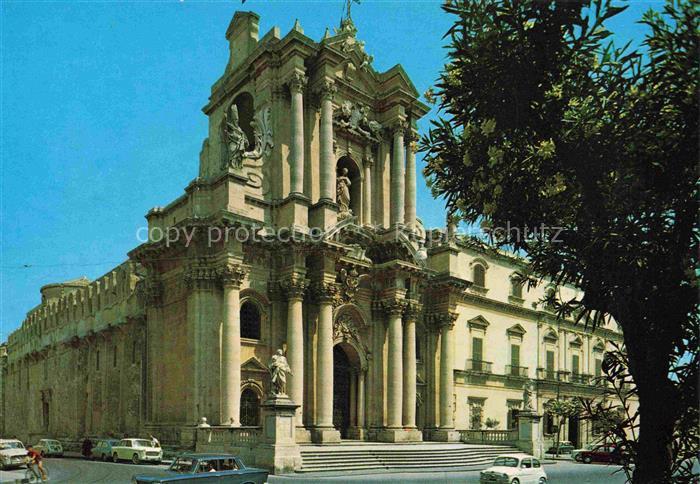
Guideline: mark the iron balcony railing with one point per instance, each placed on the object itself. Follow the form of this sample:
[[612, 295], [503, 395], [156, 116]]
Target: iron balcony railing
[[479, 366], [580, 378], [520, 371]]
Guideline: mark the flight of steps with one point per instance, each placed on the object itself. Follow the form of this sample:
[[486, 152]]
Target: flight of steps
[[371, 455]]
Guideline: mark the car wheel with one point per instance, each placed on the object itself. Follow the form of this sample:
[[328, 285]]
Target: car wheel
[[135, 459], [115, 457], [104, 457], [587, 459], [543, 480], [515, 481], [577, 458]]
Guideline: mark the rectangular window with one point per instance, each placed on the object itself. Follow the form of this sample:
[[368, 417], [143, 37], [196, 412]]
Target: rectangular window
[[550, 364], [515, 356], [574, 364], [598, 367], [477, 349]]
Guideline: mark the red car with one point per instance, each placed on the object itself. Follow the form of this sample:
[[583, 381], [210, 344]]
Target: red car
[[602, 453]]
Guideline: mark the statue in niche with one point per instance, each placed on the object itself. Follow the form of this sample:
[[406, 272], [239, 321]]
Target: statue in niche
[[236, 140], [343, 194], [279, 367]]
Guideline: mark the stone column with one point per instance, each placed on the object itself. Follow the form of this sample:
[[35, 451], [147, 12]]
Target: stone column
[[397, 176], [410, 202], [296, 88], [409, 367], [353, 399], [327, 165], [361, 398], [446, 431], [231, 276], [294, 288], [324, 431], [395, 366], [367, 188]]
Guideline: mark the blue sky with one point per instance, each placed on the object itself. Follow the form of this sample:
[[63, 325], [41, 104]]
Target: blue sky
[[101, 116]]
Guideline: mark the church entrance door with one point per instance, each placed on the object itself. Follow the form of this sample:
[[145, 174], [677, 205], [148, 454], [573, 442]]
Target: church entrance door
[[341, 391]]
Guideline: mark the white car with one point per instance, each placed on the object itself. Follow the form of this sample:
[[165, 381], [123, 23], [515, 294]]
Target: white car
[[514, 469], [49, 447], [12, 453], [137, 451]]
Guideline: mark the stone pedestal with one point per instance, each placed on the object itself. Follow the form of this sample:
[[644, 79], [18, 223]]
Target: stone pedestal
[[294, 212], [323, 214], [444, 435], [325, 435], [279, 451], [400, 435], [530, 433]]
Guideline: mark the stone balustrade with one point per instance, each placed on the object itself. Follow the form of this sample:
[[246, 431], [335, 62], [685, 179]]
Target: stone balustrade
[[488, 436], [225, 436]]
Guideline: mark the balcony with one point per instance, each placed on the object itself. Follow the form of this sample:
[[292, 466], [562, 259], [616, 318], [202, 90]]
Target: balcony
[[517, 371], [478, 366], [580, 378], [551, 375]]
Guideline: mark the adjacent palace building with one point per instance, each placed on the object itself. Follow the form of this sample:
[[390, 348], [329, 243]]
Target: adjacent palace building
[[304, 237]]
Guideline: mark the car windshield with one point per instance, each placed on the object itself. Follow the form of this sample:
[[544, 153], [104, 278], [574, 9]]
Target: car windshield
[[11, 445], [506, 462], [182, 465], [143, 443]]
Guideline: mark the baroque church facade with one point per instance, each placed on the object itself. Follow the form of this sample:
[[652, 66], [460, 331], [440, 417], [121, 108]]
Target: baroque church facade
[[305, 238]]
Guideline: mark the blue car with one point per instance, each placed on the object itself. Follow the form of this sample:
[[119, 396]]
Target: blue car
[[200, 468], [102, 449]]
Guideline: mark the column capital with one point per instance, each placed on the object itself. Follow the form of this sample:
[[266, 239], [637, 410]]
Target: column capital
[[412, 310], [399, 127], [297, 82], [326, 89], [294, 287], [232, 274], [443, 319], [393, 306], [325, 291]]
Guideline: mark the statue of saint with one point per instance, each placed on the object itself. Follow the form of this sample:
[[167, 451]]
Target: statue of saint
[[528, 393], [343, 192], [278, 371], [236, 139]]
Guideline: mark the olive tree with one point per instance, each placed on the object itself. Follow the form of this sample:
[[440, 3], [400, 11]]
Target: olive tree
[[586, 156]]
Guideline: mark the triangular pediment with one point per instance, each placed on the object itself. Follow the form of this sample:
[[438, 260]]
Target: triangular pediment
[[253, 364], [478, 322], [516, 330]]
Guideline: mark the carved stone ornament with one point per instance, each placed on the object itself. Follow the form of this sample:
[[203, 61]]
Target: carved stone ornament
[[354, 119], [528, 396], [412, 310], [327, 90], [443, 319], [200, 276], [236, 140], [149, 290], [350, 280], [279, 368], [393, 307]]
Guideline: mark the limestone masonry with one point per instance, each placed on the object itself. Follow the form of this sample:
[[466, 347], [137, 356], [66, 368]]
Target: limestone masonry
[[392, 333]]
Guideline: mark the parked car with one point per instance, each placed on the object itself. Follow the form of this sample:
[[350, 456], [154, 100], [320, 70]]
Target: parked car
[[102, 449], [514, 469], [49, 448], [12, 454], [602, 453], [576, 453], [565, 447], [224, 468], [137, 451]]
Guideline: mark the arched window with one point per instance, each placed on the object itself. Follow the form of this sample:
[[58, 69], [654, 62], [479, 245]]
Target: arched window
[[250, 320], [479, 275], [250, 408]]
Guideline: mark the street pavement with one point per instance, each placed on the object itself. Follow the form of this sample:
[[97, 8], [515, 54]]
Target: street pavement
[[79, 471]]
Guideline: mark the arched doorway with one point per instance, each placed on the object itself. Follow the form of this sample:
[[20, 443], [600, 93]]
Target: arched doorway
[[345, 370]]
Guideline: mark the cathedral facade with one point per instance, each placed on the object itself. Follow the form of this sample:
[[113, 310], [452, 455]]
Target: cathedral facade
[[299, 233]]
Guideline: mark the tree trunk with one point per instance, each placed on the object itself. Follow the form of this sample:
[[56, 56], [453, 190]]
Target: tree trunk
[[648, 355]]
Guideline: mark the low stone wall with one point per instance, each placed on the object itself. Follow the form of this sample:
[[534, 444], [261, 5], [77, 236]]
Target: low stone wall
[[241, 441]]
